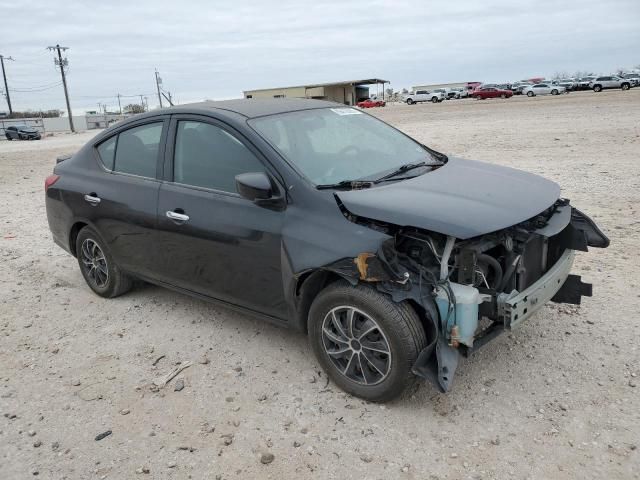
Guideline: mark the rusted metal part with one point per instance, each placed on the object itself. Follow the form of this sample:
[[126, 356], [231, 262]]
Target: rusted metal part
[[362, 262], [455, 337]]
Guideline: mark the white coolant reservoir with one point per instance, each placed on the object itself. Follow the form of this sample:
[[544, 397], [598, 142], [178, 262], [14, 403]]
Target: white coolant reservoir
[[462, 320]]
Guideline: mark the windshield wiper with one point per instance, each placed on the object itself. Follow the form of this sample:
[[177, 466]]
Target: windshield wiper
[[353, 184], [405, 168]]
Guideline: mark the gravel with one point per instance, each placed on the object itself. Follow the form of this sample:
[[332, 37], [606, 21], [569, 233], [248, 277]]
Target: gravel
[[490, 419]]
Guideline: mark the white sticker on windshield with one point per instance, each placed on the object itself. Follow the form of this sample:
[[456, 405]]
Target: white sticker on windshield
[[346, 111]]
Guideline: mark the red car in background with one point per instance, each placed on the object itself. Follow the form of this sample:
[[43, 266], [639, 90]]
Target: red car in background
[[371, 103], [491, 92]]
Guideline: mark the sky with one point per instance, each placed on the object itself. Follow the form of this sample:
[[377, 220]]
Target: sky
[[216, 49]]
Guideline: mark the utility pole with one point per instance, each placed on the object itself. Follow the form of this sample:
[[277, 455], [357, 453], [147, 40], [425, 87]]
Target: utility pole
[[6, 87], [142, 104], [158, 83], [63, 63], [119, 105]]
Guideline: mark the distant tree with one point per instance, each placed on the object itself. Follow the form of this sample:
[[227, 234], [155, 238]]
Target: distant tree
[[405, 91], [134, 108], [559, 75], [620, 70], [389, 92]]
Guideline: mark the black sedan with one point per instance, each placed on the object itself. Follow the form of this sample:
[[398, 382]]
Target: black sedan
[[322, 218], [21, 132]]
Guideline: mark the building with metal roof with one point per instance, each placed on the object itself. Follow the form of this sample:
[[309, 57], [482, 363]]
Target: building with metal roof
[[348, 92]]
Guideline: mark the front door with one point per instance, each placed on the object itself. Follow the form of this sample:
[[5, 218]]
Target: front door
[[213, 241]]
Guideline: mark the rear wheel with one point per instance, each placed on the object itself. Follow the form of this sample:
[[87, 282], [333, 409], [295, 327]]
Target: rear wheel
[[97, 266], [554, 92], [434, 99], [366, 342], [625, 86]]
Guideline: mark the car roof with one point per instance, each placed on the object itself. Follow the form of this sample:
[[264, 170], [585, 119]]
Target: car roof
[[253, 107]]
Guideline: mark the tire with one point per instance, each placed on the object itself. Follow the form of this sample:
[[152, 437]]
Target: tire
[[625, 86], [434, 99], [503, 96], [97, 266], [394, 327], [9, 137], [410, 101], [554, 92], [530, 94], [597, 88]]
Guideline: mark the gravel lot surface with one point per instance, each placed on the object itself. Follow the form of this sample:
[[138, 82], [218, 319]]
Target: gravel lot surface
[[556, 399]]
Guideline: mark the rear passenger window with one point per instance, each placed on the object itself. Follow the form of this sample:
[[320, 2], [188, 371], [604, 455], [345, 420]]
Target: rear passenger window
[[107, 152], [137, 151], [207, 156]]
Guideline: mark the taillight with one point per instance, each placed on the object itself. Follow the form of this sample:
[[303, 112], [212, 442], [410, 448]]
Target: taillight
[[50, 180]]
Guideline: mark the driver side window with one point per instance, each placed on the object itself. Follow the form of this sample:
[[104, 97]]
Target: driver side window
[[210, 157]]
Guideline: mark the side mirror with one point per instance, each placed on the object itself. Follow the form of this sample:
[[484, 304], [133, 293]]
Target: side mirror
[[254, 186], [258, 188]]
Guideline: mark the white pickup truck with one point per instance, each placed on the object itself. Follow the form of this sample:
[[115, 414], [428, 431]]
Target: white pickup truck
[[424, 96]]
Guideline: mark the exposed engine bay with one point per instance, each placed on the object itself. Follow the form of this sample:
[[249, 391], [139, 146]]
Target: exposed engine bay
[[471, 290]]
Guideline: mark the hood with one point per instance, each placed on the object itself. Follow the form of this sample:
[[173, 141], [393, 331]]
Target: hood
[[463, 198], [28, 130]]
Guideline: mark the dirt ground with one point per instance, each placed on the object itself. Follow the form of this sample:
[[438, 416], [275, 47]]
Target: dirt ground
[[555, 399]]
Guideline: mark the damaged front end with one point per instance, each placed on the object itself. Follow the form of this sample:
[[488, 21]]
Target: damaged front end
[[471, 290]]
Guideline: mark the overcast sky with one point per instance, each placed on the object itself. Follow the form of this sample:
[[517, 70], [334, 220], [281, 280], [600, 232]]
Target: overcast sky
[[217, 49]]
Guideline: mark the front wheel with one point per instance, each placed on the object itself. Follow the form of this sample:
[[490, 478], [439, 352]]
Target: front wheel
[[503, 96], [597, 88], [529, 94], [366, 342], [410, 101], [97, 266]]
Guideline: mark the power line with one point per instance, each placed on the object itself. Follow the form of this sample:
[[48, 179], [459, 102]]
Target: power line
[[6, 87], [36, 89], [62, 63]]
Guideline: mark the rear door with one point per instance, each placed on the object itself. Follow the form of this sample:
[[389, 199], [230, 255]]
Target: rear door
[[213, 241], [120, 200]]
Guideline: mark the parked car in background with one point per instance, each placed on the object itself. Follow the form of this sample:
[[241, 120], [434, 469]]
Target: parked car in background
[[634, 78], [543, 89], [483, 93], [21, 132], [568, 83], [612, 81], [424, 96], [394, 259], [584, 83], [370, 103], [517, 87], [461, 92]]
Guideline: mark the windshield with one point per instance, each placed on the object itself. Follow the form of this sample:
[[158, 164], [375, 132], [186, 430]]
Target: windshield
[[330, 145]]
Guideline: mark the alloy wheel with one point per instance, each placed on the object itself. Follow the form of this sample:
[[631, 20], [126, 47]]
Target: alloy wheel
[[95, 263], [356, 345]]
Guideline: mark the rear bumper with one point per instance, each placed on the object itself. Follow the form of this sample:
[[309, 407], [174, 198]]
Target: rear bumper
[[515, 308]]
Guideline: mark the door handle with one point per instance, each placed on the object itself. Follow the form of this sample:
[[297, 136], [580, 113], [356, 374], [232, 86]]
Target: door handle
[[92, 198], [178, 217]]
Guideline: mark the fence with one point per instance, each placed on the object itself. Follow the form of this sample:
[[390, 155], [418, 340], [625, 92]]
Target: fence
[[61, 124]]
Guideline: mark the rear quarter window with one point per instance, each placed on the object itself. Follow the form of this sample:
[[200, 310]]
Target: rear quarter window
[[107, 152]]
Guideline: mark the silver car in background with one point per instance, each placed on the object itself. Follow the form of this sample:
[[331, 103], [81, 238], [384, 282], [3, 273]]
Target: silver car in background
[[543, 89], [612, 81]]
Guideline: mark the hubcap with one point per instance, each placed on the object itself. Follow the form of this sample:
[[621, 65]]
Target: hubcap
[[95, 263], [356, 345]]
